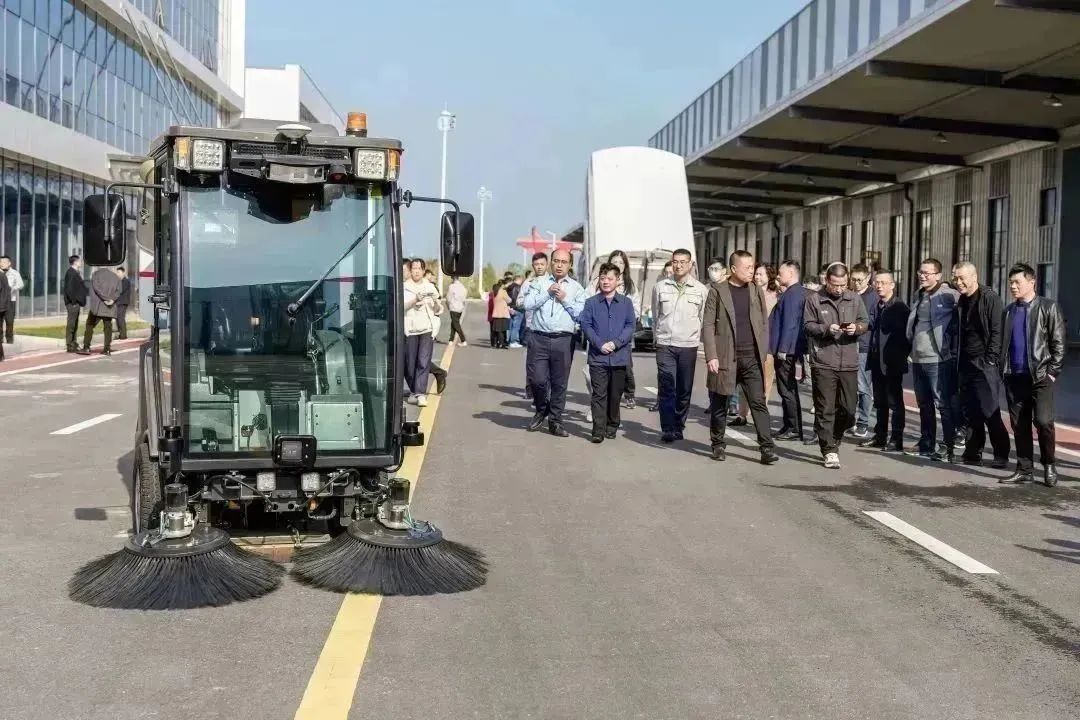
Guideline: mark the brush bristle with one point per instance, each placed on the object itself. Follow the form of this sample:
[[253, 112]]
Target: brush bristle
[[127, 580], [348, 564]]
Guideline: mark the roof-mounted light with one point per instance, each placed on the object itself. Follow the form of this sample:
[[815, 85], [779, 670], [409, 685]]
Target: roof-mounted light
[[294, 131], [356, 124], [198, 154], [370, 164]]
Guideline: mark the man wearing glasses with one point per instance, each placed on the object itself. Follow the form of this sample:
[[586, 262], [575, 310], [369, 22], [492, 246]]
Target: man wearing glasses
[[678, 304], [932, 332], [555, 302]]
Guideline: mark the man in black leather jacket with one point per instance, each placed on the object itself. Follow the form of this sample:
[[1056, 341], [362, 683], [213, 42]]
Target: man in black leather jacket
[[1033, 352]]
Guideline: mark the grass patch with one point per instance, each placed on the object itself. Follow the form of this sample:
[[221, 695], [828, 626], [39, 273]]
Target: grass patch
[[57, 332]]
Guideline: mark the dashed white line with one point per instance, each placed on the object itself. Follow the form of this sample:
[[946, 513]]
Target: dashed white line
[[917, 536], [85, 424]]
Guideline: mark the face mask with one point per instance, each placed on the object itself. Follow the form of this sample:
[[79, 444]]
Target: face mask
[[716, 274]]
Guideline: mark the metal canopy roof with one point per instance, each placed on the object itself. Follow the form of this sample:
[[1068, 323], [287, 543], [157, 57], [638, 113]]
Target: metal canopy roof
[[984, 75]]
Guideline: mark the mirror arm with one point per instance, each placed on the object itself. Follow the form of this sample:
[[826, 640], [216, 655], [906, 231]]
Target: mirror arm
[[408, 199], [109, 208]]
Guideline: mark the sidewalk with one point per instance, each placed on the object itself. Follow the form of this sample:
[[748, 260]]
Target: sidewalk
[[29, 352]]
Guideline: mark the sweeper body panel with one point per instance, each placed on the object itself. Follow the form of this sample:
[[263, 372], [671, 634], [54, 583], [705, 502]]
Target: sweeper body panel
[[271, 388]]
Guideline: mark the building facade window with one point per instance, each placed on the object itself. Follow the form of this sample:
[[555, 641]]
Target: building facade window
[[962, 233], [1048, 207], [867, 240], [924, 229], [1045, 280], [805, 260], [997, 257], [42, 226], [846, 243], [73, 68], [896, 247], [822, 250], [786, 251]]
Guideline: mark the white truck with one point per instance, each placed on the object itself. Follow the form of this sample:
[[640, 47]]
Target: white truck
[[636, 201]]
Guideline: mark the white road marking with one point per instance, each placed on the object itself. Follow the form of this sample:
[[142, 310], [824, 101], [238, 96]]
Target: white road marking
[[735, 434], [85, 424], [653, 390], [64, 362], [931, 543]]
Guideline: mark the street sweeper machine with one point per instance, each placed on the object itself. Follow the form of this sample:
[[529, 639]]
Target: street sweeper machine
[[270, 389]]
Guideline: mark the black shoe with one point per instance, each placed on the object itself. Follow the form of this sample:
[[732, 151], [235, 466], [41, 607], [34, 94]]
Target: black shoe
[[668, 437], [679, 435], [655, 407], [73, 349], [768, 457], [557, 430], [999, 463], [1050, 475], [596, 439], [537, 422], [970, 460], [895, 448], [738, 422], [106, 351], [528, 393], [440, 384], [946, 456], [812, 440], [787, 435], [1017, 478], [611, 434], [873, 443], [718, 454]]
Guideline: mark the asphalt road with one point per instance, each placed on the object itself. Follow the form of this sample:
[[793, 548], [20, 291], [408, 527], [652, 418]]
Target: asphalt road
[[628, 579]]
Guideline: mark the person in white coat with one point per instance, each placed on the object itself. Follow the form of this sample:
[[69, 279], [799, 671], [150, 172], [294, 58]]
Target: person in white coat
[[15, 285], [422, 305]]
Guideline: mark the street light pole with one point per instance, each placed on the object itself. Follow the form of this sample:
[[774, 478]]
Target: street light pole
[[483, 195], [447, 122]]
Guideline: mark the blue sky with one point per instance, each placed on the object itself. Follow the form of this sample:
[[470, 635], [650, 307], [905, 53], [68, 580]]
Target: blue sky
[[536, 86]]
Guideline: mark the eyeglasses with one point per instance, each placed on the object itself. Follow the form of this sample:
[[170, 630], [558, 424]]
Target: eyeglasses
[[928, 273], [680, 262]]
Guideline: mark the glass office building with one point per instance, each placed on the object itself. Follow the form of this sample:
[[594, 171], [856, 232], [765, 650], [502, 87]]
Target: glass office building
[[112, 84]]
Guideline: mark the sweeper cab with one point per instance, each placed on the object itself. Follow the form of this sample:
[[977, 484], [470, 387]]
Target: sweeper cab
[[271, 387]]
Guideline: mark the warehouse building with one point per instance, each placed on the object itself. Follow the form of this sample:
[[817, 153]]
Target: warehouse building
[[886, 131]]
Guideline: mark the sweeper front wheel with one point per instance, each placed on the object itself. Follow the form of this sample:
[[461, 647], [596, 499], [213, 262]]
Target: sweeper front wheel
[[146, 492]]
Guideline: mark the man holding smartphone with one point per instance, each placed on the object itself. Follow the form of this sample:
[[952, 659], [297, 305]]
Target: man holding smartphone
[[835, 317]]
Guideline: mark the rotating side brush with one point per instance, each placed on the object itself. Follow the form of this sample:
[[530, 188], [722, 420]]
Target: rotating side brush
[[389, 553], [182, 565]]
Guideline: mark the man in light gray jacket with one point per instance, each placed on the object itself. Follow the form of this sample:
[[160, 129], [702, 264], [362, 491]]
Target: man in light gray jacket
[[105, 288], [932, 331], [15, 285]]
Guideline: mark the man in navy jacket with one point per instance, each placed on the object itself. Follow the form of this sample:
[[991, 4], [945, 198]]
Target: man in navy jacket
[[787, 343], [607, 321]]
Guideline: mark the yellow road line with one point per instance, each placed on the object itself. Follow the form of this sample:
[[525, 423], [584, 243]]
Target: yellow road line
[[330, 690]]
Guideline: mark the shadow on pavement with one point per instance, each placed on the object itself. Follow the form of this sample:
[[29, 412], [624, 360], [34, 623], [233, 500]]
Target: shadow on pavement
[[880, 490], [1063, 550]]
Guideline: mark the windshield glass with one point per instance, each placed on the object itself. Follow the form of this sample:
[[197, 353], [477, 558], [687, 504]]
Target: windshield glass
[[253, 372]]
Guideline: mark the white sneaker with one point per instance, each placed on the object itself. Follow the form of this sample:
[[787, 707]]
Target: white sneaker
[[588, 416], [832, 461], [463, 344], [411, 399], [421, 401], [515, 345]]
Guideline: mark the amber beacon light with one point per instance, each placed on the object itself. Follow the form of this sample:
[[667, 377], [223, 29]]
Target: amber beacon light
[[356, 124]]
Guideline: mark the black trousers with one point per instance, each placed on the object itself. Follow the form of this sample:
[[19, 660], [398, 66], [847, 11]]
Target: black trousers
[[71, 334], [888, 402], [549, 358], [1031, 402], [7, 319], [455, 326], [750, 379], [788, 389], [91, 323], [121, 322], [980, 399], [630, 387], [607, 388], [675, 368], [835, 394]]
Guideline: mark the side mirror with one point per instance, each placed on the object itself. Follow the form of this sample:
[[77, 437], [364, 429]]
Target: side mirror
[[100, 214], [456, 254]]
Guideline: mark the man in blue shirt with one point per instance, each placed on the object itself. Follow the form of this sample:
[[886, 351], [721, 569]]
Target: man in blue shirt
[[556, 301], [607, 322]]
